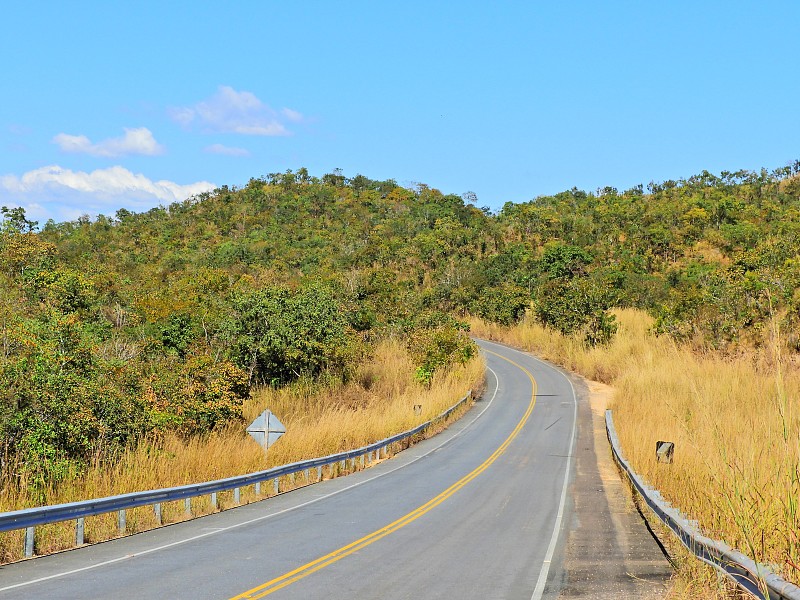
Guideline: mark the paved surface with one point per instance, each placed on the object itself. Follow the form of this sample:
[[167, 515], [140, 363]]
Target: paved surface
[[610, 552], [480, 511]]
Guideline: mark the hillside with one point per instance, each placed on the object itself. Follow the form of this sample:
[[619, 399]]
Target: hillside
[[165, 320], [119, 326]]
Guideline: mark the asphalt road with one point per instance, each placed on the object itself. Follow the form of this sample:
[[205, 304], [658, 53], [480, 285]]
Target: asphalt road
[[478, 511]]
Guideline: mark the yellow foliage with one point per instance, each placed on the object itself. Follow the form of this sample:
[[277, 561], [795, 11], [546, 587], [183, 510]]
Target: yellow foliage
[[21, 251]]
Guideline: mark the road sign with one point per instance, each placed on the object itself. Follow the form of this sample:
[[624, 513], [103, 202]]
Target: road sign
[[266, 429]]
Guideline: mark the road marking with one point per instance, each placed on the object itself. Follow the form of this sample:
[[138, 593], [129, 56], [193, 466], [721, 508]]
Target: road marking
[[542, 581], [299, 573], [219, 530]]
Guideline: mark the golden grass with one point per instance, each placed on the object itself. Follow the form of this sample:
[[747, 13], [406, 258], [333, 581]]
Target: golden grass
[[319, 420], [735, 422]]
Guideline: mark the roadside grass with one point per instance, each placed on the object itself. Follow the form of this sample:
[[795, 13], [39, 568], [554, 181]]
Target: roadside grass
[[735, 421], [320, 419]]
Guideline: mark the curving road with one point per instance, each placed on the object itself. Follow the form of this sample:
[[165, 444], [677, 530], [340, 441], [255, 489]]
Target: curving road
[[484, 510]]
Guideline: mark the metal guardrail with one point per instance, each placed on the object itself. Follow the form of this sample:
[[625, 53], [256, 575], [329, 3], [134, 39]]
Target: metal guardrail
[[30, 518], [751, 577]]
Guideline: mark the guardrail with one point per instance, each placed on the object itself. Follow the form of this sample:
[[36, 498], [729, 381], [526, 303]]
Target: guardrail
[[30, 518], [751, 577]]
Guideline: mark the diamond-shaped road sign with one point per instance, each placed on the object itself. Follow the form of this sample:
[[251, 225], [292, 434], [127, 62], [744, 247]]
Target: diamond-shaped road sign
[[266, 429]]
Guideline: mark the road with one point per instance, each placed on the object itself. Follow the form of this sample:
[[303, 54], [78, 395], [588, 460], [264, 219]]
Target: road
[[479, 511]]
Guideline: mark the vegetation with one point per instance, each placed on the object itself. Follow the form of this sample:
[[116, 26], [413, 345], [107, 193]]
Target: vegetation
[[321, 419], [118, 332]]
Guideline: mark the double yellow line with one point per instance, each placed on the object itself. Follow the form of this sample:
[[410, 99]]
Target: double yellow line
[[291, 577]]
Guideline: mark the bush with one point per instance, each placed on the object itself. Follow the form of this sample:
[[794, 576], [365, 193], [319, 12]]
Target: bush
[[281, 335], [505, 305], [437, 341], [578, 306]]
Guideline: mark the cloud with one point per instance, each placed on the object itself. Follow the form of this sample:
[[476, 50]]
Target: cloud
[[226, 150], [63, 194], [135, 141], [292, 115], [229, 111]]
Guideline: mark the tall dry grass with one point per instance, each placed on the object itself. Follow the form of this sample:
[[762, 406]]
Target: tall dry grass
[[320, 419], [735, 422]]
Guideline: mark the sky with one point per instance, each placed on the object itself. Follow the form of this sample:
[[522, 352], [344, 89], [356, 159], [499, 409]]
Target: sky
[[133, 105]]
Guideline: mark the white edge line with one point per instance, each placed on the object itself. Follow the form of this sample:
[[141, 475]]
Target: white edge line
[[257, 519], [542, 581], [539, 590]]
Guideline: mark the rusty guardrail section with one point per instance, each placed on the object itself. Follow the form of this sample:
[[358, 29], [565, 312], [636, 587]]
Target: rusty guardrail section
[[29, 518], [751, 577]]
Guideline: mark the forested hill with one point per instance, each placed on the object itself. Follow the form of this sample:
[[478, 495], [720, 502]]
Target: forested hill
[[284, 228], [119, 326], [710, 256], [115, 328]]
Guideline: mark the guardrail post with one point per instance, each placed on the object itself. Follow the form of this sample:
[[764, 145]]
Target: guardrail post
[[307, 474], [363, 460], [276, 486], [79, 531], [214, 504], [29, 542], [157, 510], [258, 488], [342, 466], [319, 473], [236, 495], [187, 505], [121, 522]]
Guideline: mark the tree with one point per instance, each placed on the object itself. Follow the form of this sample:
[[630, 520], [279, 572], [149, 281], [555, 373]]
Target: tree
[[578, 306], [279, 335], [14, 221], [505, 304]]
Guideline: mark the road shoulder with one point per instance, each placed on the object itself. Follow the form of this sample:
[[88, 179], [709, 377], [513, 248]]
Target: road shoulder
[[609, 551]]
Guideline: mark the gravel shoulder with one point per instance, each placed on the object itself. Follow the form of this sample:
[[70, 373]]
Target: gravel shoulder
[[610, 552]]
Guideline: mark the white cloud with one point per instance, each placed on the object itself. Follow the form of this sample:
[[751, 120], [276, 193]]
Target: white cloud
[[63, 194], [229, 111], [226, 150], [135, 141], [292, 115]]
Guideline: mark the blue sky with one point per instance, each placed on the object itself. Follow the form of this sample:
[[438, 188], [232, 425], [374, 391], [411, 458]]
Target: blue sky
[[106, 105]]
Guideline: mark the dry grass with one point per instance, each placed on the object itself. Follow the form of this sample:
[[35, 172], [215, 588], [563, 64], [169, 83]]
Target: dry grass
[[319, 420], [356, 414], [735, 422]]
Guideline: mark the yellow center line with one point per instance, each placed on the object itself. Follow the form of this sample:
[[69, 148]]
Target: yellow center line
[[291, 577]]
